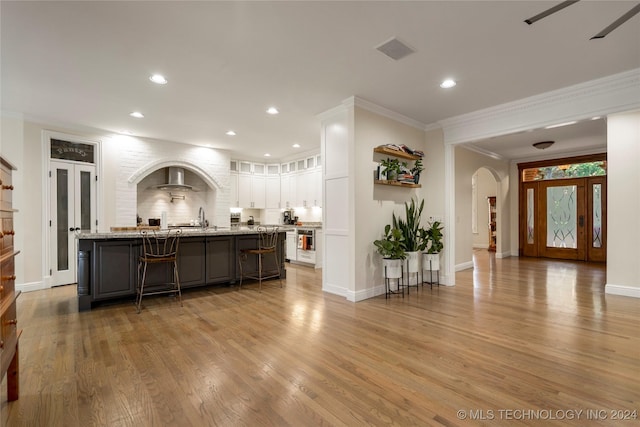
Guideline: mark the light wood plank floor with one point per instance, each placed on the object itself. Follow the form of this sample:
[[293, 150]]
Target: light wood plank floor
[[514, 340]]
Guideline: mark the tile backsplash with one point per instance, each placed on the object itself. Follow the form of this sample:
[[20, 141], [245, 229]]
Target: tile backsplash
[[152, 202]]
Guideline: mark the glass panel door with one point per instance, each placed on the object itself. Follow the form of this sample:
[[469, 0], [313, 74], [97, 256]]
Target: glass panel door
[[597, 219], [73, 209], [562, 217], [529, 219]]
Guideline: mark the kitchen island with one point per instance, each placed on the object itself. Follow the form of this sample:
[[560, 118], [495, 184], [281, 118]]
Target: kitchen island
[[107, 262]]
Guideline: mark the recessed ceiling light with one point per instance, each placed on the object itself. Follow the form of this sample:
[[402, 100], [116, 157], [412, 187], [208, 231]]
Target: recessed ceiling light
[[267, 155], [136, 114], [596, 118], [272, 110], [448, 83], [561, 124], [159, 79], [296, 145], [231, 133]]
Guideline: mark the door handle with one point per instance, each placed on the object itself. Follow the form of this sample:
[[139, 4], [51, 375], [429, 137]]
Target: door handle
[[581, 221], [74, 229]]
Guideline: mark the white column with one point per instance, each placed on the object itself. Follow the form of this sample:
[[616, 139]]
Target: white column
[[623, 204]]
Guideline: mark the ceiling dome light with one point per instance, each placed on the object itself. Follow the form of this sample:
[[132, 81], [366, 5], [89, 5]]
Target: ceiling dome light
[[136, 114], [230, 133], [448, 83], [296, 145], [158, 79], [267, 155], [272, 110], [543, 144]]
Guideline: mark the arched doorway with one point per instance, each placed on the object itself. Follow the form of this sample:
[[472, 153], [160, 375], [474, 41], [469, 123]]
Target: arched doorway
[[484, 213]]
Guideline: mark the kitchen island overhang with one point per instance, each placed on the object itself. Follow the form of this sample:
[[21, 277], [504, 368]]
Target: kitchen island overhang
[[108, 262]]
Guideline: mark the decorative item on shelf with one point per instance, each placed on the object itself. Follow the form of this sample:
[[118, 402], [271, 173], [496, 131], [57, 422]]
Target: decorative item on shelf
[[416, 169], [391, 168], [392, 171]]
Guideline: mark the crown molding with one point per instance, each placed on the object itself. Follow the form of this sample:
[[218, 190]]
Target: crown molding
[[355, 101], [612, 94]]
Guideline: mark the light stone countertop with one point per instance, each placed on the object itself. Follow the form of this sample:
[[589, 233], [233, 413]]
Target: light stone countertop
[[186, 232]]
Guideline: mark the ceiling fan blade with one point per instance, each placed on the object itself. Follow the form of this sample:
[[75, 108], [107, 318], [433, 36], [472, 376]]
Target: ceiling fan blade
[[615, 24], [548, 12]]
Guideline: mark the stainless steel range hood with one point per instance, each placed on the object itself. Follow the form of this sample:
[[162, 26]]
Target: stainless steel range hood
[[175, 181]]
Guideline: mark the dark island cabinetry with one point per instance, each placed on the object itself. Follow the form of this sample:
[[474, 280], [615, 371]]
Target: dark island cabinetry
[[116, 276], [221, 260], [107, 265], [191, 262]]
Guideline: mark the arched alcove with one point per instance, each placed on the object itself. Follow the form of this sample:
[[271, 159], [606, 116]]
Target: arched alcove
[[178, 207]]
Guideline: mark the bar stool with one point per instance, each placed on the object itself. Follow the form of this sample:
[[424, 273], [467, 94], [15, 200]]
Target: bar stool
[[158, 248], [267, 246]]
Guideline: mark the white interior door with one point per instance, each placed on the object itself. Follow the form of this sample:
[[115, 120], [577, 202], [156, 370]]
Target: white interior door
[[72, 209]]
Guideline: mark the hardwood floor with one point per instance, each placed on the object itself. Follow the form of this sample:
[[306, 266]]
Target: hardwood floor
[[515, 342]]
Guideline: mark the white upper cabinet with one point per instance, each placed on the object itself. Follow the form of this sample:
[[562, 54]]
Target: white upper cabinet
[[292, 184]]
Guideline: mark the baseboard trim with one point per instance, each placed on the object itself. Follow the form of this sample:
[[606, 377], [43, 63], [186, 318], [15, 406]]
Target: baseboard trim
[[625, 291], [464, 266], [32, 286], [334, 289]]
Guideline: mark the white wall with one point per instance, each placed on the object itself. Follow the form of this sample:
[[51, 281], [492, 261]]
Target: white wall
[[375, 204], [466, 164], [623, 204]]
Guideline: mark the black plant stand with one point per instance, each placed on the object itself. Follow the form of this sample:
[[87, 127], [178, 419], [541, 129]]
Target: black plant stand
[[387, 283], [431, 282]]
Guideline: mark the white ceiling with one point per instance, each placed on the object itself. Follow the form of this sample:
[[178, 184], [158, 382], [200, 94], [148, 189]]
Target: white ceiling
[[87, 64]]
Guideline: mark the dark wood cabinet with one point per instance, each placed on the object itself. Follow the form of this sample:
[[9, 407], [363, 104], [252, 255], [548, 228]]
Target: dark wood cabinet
[[221, 267], [115, 269], [9, 333], [108, 268], [191, 262]]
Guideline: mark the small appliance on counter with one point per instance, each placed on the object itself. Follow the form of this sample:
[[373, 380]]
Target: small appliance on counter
[[235, 219], [250, 221], [154, 222]]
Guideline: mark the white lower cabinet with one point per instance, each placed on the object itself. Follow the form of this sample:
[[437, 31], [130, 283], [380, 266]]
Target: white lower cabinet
[[306, 256], [292, 245]]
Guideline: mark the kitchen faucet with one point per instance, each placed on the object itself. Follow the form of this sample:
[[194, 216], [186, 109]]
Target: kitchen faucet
[[201, 219]]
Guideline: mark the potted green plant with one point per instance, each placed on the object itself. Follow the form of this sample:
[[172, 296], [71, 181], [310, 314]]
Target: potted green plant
[[391, 248], [416, 169], [391, 168], [413, 240], [433, 235]]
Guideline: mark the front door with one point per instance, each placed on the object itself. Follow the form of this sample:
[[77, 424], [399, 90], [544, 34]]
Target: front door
[[72, 209], [564, 218]]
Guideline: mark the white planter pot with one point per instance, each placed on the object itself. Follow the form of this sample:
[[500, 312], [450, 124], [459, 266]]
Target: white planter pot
[[413, 262], [392, 268], [431, 262]]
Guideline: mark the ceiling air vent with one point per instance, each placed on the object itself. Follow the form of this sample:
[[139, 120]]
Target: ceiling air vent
[[395, 49]]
